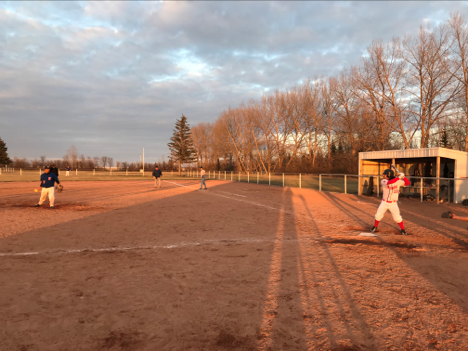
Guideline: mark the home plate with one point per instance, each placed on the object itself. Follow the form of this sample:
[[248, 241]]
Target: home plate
[[366, 234]]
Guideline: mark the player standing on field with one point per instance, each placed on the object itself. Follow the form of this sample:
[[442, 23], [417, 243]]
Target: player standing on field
[[68, 171], [157, 174], [54, 170], [48, 181], [202, 172], [391, 188]]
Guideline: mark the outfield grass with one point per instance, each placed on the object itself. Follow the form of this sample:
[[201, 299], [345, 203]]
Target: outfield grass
[[31, 176], [308, 181]]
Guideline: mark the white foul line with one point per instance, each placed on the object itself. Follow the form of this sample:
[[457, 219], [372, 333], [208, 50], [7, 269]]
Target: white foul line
[[129, 248], [231, 193]]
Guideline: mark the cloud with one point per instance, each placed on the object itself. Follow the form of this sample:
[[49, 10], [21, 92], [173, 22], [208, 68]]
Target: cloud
[[112, 77]]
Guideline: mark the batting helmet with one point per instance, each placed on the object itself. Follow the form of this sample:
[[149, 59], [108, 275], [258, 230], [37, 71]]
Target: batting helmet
[[389, 172]]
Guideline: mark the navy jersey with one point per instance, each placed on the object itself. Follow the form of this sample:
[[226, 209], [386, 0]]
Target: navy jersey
[[48, 180]]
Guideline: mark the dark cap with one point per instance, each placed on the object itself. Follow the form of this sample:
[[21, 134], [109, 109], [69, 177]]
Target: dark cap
[[47, 167], [389, 173]]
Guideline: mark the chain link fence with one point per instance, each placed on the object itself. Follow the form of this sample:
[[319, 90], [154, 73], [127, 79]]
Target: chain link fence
[[440, 190]]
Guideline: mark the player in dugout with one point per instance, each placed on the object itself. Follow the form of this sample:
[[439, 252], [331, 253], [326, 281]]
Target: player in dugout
[[48, 181]]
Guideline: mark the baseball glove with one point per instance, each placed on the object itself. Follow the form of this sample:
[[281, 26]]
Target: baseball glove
[[59, 188], [447, 214]]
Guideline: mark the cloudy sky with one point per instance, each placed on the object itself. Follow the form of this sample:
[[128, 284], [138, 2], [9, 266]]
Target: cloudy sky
[[112, 77]]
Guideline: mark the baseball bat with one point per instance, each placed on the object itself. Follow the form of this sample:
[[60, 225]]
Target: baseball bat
[[396, 169]]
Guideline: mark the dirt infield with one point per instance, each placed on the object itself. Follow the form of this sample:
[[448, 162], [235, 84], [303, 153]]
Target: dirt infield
[[122, 266]]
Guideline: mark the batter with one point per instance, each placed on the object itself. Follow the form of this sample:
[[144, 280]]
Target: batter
[[391, 189]]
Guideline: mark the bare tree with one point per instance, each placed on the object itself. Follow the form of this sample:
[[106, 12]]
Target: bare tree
[[459, 69], [432, 87], [104, 161], [72, 156]]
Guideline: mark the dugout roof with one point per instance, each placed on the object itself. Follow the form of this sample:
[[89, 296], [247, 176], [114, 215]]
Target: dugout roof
[[459, 158]]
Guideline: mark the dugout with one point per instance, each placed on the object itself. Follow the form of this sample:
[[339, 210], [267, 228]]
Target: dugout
[[436, 162]]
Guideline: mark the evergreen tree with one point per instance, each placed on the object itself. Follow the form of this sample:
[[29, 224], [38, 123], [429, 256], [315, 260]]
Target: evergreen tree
[[181, 145], [4, 159], [444, 140]]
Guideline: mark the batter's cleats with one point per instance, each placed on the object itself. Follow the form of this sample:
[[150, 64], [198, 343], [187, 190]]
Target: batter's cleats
[[403, 232], [373, 230], [37, 205]]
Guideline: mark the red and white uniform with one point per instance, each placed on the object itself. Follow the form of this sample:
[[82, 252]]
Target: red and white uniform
[[391, 189]]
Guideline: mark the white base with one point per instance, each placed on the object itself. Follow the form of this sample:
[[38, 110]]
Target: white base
[[366, 234]]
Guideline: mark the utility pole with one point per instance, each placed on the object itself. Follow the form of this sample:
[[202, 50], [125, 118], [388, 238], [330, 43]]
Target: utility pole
[[143, 161]]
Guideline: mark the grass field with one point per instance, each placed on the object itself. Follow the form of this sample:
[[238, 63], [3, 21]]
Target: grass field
[[119, 265], [28, 176], [329, 183]]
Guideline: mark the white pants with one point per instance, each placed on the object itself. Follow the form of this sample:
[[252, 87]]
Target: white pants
[[157, 182], [67, 174], [392, 207], [45, 192]]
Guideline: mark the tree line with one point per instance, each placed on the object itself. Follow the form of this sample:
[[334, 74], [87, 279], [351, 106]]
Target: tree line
[[411, 92], [71, 159], [77, 161]]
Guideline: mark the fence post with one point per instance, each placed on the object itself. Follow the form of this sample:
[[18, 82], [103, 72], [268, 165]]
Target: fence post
[[300, 186], [257, 178], [219, 175], [231, 176], [378, 186], [39, 171], [448, 192], [239, 177], [224, 175], [21, 171], [76, 171], [421, 189], [320, 182], [269, 178], [283, 180], [345, 185]]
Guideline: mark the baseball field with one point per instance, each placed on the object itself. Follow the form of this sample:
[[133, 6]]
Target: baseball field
[[120, 265]]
